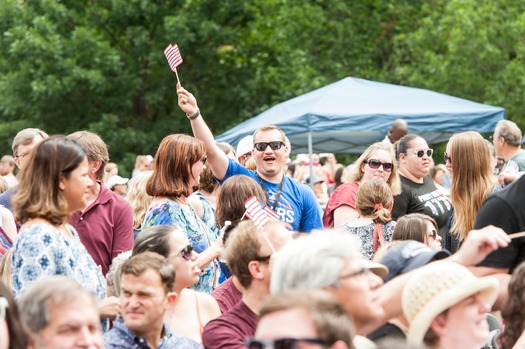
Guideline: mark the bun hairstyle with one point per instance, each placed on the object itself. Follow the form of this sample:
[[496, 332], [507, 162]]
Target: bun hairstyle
[[374, 199], [402, 145]]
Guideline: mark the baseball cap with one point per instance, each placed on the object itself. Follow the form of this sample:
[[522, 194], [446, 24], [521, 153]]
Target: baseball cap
[[409, 255], [245, 146], [116, 180]]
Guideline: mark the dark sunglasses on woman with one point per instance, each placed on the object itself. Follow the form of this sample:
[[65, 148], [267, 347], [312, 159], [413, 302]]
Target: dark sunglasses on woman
[[186, 252], [421, 153], [375, 164], [282, 343]]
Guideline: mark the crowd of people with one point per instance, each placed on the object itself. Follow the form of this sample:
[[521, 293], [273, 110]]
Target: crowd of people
[[392, 251]]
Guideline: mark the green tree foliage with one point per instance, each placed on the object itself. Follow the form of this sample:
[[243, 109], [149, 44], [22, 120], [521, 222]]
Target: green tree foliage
[[99, 65]]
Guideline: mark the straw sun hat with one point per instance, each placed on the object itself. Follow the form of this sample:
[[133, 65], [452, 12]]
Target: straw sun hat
[[437, 287]]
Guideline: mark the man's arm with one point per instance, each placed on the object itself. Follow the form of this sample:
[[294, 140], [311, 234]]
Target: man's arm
[[217, 160]]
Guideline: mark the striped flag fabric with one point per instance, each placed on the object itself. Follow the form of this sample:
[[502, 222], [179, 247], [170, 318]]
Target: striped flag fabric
[[259, 215], [173, 56]]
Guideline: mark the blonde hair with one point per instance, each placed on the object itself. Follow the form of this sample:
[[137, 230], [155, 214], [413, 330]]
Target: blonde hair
[[374, 199], [356, 174], [5, 269], [472, 179], [137, 197]]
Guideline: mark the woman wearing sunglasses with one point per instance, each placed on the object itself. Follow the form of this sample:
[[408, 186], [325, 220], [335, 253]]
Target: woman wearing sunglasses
[[469, 163], [418, 227], [179, 162], [192, 310], [419, 193], [378, 161]]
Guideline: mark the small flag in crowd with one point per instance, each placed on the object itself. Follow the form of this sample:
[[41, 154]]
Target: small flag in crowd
[[257, 214], [174, 58]]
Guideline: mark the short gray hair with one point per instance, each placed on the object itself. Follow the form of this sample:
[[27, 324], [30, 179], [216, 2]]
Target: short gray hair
[[113, 275], [313, 261], [510, 132], [25, 137], [36, 303]]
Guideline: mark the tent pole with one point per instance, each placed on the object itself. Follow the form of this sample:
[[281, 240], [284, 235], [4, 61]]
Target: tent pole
[[310, 153]]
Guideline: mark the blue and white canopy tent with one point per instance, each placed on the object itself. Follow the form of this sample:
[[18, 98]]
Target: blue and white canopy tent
[[349, 115]]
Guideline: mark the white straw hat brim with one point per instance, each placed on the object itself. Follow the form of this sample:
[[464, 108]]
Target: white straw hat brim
[[487, 287]]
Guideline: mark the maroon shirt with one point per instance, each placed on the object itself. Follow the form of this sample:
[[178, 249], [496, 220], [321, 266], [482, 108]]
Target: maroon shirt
[[231, 329], [227, 295], [105, 227]]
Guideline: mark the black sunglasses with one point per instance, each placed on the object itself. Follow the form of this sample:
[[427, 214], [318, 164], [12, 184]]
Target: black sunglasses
[[447, 158], [275, 145], [186, 252], [281, 343], [421, 153], [262, 258], [375, 164], [433, 234]]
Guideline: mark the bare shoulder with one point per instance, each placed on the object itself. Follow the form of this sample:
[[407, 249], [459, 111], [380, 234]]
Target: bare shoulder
[[209, 303]]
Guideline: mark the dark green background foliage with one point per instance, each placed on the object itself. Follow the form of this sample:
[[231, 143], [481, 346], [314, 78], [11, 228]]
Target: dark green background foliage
[[99, 65]]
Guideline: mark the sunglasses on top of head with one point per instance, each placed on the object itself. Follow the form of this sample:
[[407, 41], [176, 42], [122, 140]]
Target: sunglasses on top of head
[[282, 343], [375, 164], [275, 145], [421, 153]]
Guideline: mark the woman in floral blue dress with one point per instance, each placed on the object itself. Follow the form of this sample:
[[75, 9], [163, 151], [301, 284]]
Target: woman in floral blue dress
[[178, 164], [53, 184]]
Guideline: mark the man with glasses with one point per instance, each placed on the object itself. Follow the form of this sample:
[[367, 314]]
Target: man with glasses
[[332, 261], [312, 319], [507, 143], [23, 144], [295, 203], [247, 252]]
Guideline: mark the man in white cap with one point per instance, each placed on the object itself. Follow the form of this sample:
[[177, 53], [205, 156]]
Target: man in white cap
[[295, 203], [244, 149], [118, 185]]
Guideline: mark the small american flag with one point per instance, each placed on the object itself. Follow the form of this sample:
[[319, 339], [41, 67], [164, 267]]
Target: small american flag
[[260, 216], [173, 56]]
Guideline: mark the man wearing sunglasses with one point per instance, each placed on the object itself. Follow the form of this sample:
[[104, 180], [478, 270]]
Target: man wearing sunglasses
[[294, 202], [247, 252], [307, 319]]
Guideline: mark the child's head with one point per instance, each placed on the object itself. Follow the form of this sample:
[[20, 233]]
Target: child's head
[[374, 200]]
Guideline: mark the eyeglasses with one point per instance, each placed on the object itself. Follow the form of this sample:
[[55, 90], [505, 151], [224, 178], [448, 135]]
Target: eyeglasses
[[21, 156], [204, 159], [362, 271], [421, 153], [185, 253], [447, 158], [433, 234], [281, 343], [3, 306], [262, 258], [275, 145], [375, 164]]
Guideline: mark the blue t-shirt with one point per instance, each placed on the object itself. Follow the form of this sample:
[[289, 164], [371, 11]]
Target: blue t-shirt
[[297, 203]]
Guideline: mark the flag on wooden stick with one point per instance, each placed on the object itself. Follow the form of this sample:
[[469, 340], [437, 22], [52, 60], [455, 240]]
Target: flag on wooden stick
[[174, 58], [260, 216]]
